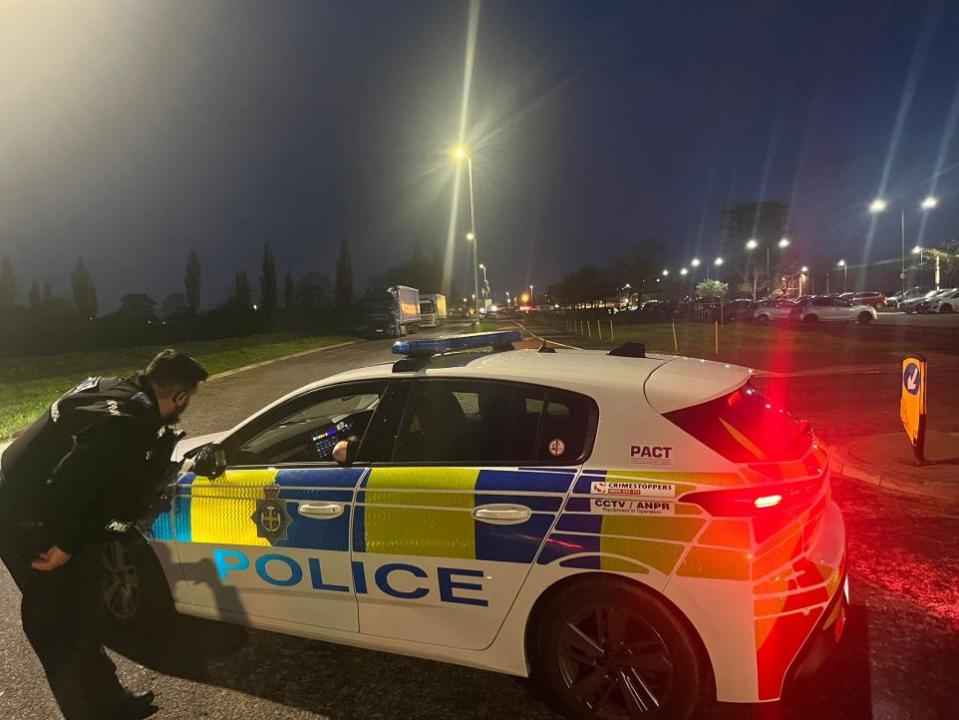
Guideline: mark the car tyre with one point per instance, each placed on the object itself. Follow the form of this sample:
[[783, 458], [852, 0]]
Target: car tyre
[[607, 649], [864, 318], [811, 319], [762, 319], [946, 308], [136, 598]]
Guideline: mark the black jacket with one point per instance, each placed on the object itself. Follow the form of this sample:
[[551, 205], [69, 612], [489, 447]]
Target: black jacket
[[89, 467]]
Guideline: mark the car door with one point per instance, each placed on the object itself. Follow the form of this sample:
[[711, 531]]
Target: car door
[[447, 531], [268, 540]]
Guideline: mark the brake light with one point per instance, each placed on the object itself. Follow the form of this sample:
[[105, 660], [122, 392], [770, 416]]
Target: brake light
[[767, 501], [755, 501]]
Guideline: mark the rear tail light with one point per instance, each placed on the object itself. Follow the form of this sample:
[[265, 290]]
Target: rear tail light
[[790, 497]]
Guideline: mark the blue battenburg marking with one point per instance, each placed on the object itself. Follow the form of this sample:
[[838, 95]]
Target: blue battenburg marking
[[186, 479], [182, 528], [580, 523], [319, 477], [161, 528], [359, 529], [536, 503], [511, 543], [317, 494], [568, 470], [520, 481], [559, 546], [591, 562], [309, 533], [575, 504], [583, 485]]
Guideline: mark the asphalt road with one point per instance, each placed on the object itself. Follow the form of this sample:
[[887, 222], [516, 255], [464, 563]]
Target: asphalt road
[[897, 660]]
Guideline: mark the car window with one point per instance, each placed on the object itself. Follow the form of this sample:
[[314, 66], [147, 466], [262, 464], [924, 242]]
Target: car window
[[308, 427], [489, 423]]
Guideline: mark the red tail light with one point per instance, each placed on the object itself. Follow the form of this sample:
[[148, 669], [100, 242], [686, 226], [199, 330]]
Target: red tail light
[[754, 501]]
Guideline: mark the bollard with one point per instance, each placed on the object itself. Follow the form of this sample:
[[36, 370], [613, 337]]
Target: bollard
[[589, 333], [716, 326], [675, 341], [599, 330], [611, 329]]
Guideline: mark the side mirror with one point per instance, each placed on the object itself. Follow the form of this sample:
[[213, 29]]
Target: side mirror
[[210, 461]]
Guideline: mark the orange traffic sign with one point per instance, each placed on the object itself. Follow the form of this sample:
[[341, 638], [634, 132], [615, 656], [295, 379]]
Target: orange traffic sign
[[912, 400]]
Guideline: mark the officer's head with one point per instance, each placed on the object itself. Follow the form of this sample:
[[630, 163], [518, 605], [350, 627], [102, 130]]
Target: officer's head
[[174, 377]]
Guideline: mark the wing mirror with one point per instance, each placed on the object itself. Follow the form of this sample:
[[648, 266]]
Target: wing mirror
[[210, 461]]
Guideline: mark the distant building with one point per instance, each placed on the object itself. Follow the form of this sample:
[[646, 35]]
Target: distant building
[[763, 221]]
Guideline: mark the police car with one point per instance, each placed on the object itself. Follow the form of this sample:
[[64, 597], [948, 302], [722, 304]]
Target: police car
[[638, 533]]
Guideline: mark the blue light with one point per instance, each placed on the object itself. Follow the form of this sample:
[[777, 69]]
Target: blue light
[[452, 343]]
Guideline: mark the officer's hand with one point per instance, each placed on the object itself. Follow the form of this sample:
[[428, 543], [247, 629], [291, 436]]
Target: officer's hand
[[341, 451], [51, 559]]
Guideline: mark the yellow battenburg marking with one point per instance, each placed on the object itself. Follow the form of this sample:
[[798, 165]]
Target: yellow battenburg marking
[[221, 509], [659, 555], [782, 554], [716, 564], [680, 529], [446, 531], [691, 478], [728, 533]]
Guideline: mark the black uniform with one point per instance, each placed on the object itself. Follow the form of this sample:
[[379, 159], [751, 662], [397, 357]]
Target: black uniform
[[81, 475]]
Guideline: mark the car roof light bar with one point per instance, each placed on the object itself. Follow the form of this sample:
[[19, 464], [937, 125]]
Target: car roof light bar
[[499, 340]]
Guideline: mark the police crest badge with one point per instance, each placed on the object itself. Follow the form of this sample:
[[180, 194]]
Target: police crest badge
[[271, 518]]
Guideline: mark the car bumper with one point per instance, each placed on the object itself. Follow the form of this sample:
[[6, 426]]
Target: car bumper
[[823, 641]]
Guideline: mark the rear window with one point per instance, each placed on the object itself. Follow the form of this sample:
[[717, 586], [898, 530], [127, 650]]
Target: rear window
[[744, 426]]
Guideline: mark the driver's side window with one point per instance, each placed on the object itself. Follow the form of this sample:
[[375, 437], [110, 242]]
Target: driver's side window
[[306, 429]]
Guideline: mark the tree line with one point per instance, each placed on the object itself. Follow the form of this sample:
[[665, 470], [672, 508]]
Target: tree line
[[49, 323]]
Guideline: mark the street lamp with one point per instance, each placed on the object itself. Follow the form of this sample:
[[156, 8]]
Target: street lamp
[[752, 244], [879, 205], [845, 268], [694, 262], [665, 273], [783, 243], [683, 271], [802, 274], [459, 154]]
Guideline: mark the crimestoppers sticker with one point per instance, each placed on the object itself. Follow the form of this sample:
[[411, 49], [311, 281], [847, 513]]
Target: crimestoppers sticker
[[646, 489], [650, 455], [616, 506]]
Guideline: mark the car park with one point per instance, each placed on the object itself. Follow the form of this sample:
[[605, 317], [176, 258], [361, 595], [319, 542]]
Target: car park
[[769, 310], [634, 532], [875, 299], [825, 308], [738, 310]]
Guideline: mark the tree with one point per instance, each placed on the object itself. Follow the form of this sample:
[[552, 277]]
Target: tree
[[289, 291], [8, 283], [311, 291], [712, 289], [46, 300], [268, 282], [84, 291], [344, 276], [173, 305], [35, 299], [242, 296], [192, 282]]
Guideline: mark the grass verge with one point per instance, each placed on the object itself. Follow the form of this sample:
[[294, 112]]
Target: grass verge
[[28, 385]]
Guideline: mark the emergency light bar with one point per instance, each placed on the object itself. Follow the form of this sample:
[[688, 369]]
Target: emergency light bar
[[501, 340]]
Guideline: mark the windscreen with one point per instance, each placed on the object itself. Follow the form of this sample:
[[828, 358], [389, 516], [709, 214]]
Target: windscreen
[[744, 426]]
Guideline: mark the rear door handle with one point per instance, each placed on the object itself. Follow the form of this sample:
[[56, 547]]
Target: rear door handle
[[502, 514], [325, 511]]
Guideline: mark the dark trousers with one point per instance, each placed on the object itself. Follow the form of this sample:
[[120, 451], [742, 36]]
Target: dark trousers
[[61, 612]]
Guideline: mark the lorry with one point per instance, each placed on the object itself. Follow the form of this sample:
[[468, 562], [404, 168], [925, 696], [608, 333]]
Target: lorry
[[432, 309], [390, 312]]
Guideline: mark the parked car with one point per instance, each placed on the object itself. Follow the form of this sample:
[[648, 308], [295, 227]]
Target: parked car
[[833, 309], [898, 298], [875, 299], [945, 302], [911, 304], [738, 310], [768, 310], [926, 305]]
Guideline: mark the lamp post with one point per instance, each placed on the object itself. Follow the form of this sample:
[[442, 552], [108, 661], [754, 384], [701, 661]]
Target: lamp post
[[802, 274], [751, 245], [879, 205], [842, 264], [486, 287], [461, 153]]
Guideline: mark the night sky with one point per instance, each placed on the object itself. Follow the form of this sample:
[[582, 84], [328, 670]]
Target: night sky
[[133, 131]]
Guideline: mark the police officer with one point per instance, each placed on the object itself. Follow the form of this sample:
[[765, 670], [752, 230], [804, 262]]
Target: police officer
[[81, 476]]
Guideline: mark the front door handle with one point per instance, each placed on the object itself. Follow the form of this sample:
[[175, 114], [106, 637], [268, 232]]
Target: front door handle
[[324, 511], [502, 514]]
